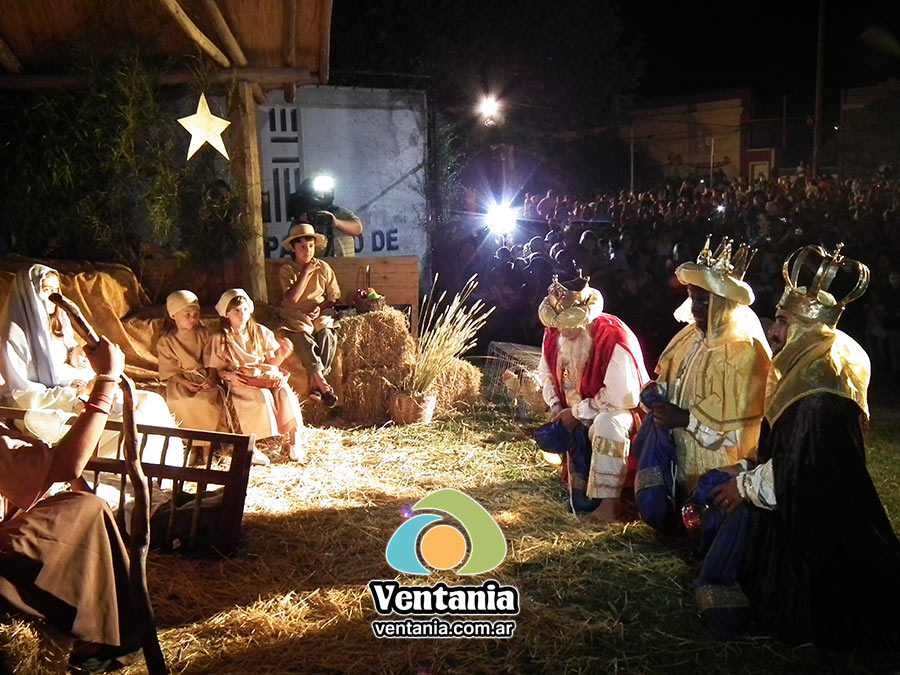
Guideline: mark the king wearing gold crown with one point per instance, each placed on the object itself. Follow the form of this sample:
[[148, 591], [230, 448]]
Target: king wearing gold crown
[[822, 561], [591, 371], [710, 383]]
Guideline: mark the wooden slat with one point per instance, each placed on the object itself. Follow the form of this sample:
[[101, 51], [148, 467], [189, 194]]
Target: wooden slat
[[8, 59], [195, 33], [272, 77], [231, 44]]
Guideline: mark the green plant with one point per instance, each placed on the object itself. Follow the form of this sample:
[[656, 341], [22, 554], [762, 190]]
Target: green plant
[[444, 333], [97, 173]]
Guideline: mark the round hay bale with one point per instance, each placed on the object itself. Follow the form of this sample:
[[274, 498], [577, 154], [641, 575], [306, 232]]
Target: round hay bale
[[375, 340], [459, 383], [367, 393]]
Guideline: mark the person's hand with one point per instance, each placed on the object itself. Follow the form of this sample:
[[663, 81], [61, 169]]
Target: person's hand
[[313, 265], [208, 383], [192, 386], [569, 421], [555, 409], [106, 358], [285, 347], [314, 313], [82, 388], [669, 415], [731, 469], [726, 496]]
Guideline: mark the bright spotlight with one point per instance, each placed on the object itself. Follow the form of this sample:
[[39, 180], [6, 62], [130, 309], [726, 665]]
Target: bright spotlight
[[720, 208], [489, 107], [501, 219], [323, 184]]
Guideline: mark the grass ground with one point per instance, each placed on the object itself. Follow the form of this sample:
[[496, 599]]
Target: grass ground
[[594, 600]]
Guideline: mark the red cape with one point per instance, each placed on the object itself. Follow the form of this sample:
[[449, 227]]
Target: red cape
[[607, 332]]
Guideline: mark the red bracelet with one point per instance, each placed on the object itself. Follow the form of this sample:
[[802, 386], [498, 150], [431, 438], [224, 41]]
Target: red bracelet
[[100, 398], [92, 407]]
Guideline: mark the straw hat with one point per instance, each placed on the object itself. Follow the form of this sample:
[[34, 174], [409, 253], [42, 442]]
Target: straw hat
[[228, 296], [302, 230], [180, 300]]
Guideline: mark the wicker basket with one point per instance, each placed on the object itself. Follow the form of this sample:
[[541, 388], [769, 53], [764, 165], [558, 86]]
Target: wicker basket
[[362, 303], [270, 379], [405, 409]]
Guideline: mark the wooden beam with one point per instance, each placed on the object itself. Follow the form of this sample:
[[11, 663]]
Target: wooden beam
[[195, 33], [8, 59], [290, 45], [324, 41], [272, 77], [250, 172], [231, 45]]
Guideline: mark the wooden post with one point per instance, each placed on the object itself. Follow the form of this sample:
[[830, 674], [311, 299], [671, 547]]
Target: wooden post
[[290, 46], [250, 173]]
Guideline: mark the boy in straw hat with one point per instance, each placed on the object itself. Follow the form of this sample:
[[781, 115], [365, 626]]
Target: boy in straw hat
[[822, 561], [592, 371], [310, 289], [712, 374]]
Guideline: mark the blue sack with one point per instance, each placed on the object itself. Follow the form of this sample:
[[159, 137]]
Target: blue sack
[[576, 446], [717, 591], [654, 483]]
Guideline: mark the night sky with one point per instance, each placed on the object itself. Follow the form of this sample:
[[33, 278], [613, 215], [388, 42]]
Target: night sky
[[769, 46], [686, 48]]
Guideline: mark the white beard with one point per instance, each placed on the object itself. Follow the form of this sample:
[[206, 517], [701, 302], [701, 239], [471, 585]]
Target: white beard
[[575, 352]]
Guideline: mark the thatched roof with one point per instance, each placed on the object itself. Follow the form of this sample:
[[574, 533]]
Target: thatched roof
[[275, 42]]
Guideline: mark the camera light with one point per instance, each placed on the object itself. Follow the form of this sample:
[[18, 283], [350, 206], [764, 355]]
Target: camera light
[[323, 184], [720, 208], [489, 107], [501, 219]]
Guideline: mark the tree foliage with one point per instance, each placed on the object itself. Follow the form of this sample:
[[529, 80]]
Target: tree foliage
[[94, 173]]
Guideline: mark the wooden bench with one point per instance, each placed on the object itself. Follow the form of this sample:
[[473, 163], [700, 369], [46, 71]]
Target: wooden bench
[[396, 278], [227, 467]]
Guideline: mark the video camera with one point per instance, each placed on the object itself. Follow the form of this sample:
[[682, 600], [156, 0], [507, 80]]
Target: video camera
[[314, 195]]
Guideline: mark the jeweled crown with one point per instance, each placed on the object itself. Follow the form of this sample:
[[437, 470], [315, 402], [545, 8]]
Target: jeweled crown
[[813, 299], [562, 297], [723, 262]]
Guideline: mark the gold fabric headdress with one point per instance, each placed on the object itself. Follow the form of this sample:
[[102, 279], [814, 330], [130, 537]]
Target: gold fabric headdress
[[720, 272], [570, 305], [813, 300]]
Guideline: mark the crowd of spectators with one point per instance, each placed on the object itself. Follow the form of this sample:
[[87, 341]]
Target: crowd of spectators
[[629, 244]]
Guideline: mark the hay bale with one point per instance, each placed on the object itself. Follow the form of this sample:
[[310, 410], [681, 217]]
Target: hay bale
[[31, 647], [367, 393], [459, 383], [375, 340]]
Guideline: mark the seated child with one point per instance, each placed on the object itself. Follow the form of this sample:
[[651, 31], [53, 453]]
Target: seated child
[[246, 354], [192, 390]]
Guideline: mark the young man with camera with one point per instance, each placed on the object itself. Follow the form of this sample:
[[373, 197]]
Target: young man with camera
[[313, 203]]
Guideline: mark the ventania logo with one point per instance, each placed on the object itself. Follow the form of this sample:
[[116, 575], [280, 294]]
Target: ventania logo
[[443, 546], [472, 543]]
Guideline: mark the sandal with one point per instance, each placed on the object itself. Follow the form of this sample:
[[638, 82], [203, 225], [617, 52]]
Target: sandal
[[329, 399]]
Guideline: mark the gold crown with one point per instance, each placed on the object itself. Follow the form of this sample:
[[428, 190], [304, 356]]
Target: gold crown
[[562, 298], [571, 304], [721, 272], [813, 300], [722, 260]]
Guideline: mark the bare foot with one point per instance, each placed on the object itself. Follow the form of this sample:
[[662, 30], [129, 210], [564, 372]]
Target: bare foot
[[609, 511]]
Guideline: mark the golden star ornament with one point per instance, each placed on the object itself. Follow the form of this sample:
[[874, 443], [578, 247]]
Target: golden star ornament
[[204, 127]]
